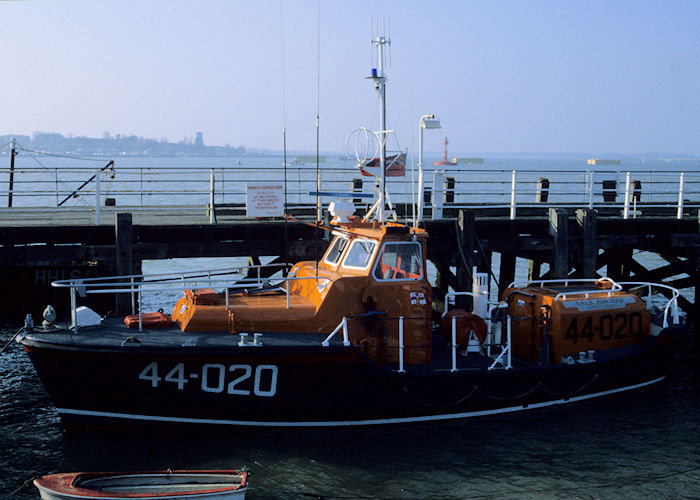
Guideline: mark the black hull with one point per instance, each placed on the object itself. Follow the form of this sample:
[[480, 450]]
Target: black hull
[[309, 386]]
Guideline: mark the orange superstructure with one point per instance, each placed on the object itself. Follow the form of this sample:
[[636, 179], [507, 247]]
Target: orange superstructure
[[372, 274], [575, 319]]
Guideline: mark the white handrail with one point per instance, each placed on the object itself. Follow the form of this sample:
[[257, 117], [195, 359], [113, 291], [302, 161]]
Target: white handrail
[[512, 195], [681, 188], [454, 344], [450, 295], [137, 284], [562, 282], [401, 370], [672, 303], [615, 287], [505, 351], [344, 326]]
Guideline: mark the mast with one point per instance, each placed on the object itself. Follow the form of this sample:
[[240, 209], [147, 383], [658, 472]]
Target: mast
[[380, 42]]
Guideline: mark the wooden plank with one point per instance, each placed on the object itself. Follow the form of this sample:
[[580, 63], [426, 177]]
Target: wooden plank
[[466, 231], [588, 223], [559, 230], [123, 246]]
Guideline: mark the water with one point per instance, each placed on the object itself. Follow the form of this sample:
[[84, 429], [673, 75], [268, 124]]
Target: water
[[638, 445]]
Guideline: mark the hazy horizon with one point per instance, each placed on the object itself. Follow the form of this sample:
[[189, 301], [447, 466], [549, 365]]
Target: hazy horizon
[[253, 150], [512, 78]]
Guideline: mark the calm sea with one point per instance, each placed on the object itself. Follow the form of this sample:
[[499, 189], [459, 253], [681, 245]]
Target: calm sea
[[639, 445]]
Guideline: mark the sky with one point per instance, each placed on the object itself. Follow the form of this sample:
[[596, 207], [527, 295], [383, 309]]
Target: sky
[[590, 77]]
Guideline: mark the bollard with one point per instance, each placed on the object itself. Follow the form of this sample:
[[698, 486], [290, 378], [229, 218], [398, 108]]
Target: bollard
[[357, 188], [542, 193], [609, 190], [449, 190], [636, 191]]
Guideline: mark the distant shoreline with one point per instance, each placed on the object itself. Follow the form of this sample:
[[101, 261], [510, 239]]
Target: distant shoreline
[[119, 146]]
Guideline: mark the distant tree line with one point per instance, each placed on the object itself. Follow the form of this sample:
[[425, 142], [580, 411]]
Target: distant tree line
[[119, 145]]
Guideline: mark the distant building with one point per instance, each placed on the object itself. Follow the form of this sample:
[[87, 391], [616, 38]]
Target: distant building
[[598, 161], [199, 140]]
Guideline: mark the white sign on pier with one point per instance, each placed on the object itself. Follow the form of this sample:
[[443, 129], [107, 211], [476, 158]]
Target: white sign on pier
[[264, 199]]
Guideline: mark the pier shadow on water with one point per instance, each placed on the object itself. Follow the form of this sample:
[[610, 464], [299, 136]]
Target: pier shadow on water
[[636, 445]]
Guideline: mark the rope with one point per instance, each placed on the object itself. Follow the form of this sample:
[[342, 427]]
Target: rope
[[63, 184], [585, 386], [451, 405], [526, 393], [59, 156], [21, 487], [12, 339], [458, 234]]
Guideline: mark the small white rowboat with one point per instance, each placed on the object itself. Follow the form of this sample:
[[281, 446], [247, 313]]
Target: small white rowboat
[[177, 484]]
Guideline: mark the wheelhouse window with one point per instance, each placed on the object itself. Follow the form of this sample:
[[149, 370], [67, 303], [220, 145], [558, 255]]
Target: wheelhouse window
[[335, 251], [360, 254], [399, 261]]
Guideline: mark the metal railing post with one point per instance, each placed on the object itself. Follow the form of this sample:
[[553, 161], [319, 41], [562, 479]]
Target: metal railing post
[[680, 196], [73, 307], [97, 197], [133, 297], [509, 340], [626, 211], [438, 191], [346, 339], [401, 370], [454, 344], [512, 196], [140, 312], [589, 181], [212, 214], [12, 173]]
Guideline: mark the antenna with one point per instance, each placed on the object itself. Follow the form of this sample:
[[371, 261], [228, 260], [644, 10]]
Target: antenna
[[284, 142], [371, 43], [389, 37]]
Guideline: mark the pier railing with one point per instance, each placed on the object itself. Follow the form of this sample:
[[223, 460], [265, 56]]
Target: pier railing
[[222, 190]]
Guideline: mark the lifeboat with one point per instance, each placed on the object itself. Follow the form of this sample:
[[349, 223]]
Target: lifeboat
[[354, 339]]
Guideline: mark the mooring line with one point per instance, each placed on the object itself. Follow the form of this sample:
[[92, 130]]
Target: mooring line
[[451, 405]]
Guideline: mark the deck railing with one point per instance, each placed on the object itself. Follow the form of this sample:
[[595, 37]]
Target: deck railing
[[496, 349], [671, 304], [228, 280], [671, 296]]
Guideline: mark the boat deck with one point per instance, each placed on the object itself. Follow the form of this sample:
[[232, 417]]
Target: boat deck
[[113, 336], [113, 333]]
